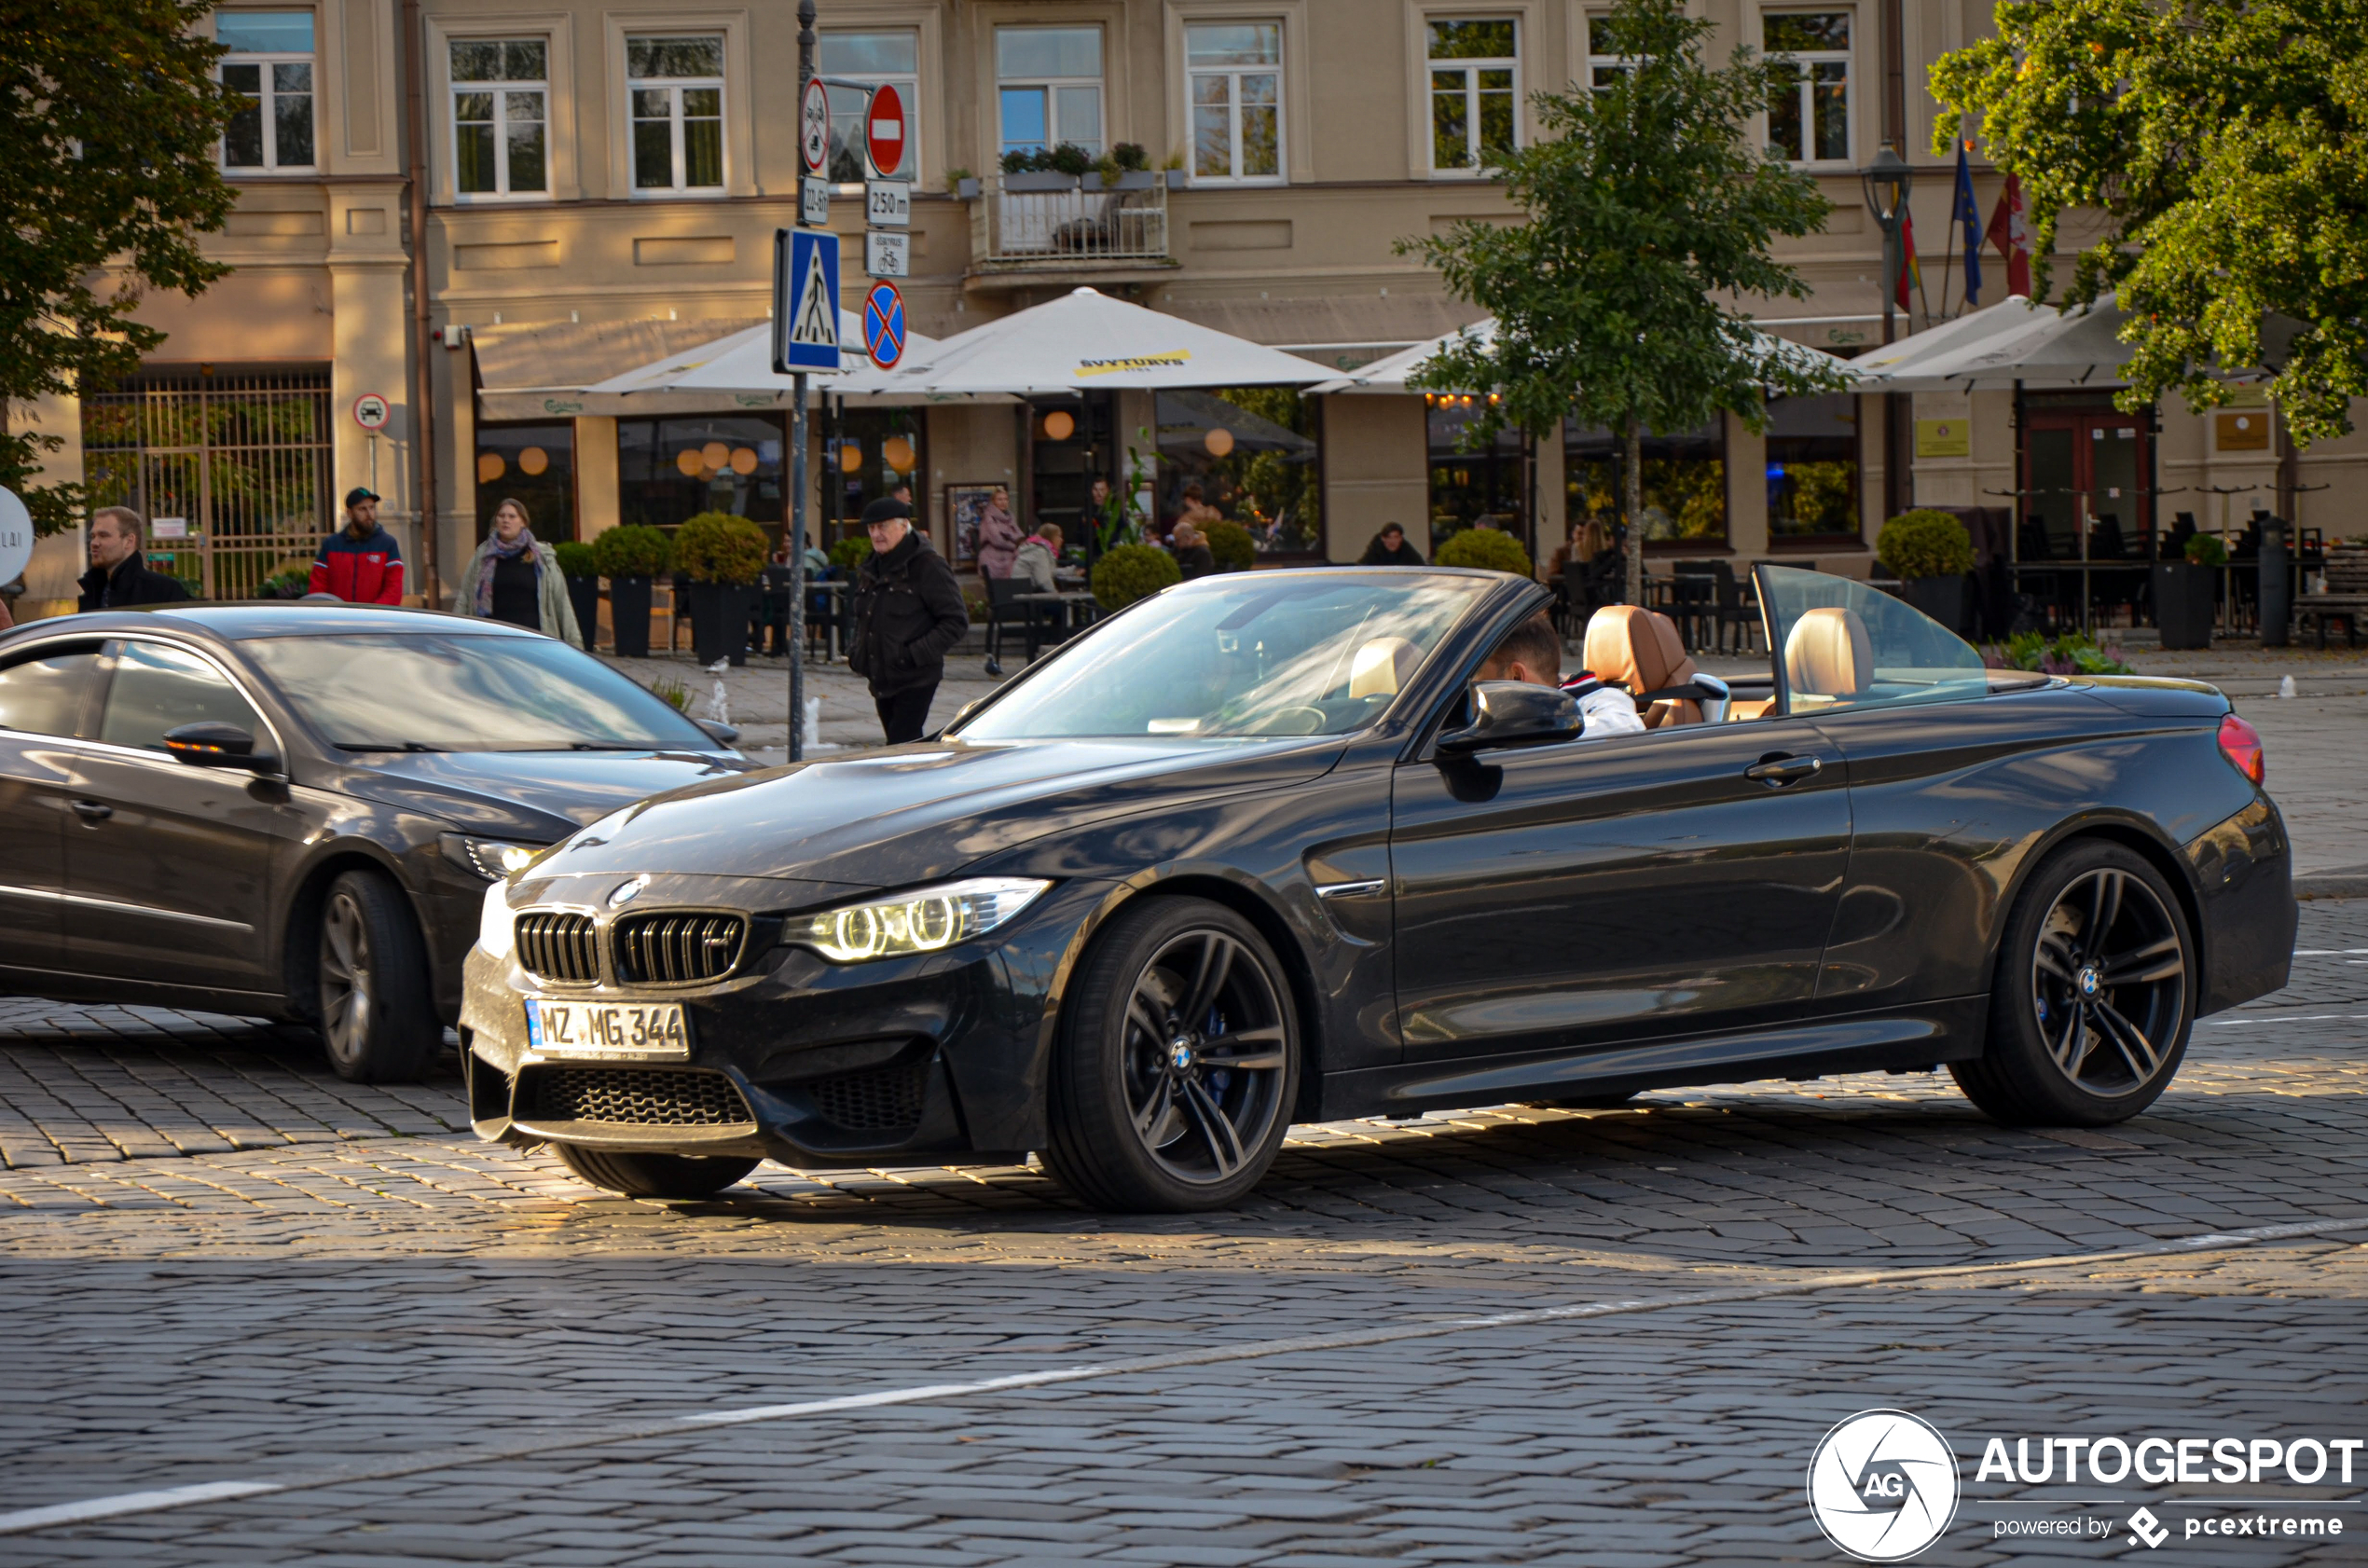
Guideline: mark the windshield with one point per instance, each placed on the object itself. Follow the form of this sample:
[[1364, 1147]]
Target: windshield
[[1847, 644], [1256, 654], [386, 691]]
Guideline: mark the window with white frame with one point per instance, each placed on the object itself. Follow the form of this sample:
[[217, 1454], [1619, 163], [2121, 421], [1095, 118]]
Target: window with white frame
[[676, 88], [875, 60], [500, 110], [1808, 84], [1605, 64], [1236, 84], [1475, 67], [270, 64], [1049, 88]]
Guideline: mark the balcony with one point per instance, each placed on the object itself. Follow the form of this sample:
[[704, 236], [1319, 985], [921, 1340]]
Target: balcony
[[1027, 225]]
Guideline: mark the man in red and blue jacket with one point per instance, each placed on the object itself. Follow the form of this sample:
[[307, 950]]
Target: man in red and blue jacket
[[360, 563]]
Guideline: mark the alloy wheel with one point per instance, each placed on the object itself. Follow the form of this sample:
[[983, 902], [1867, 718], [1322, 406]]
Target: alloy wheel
[[345, 978], [1203, 1056], [2109, 982]]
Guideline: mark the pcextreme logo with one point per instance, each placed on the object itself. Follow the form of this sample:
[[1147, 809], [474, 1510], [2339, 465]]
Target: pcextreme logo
[[1883, 1485]]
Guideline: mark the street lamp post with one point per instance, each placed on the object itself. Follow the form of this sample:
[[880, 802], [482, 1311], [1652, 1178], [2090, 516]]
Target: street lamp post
[[1887, 179]]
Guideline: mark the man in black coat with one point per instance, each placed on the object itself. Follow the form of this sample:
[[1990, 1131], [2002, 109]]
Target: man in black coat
[[1389, 548], [908, 612], [117, 575]]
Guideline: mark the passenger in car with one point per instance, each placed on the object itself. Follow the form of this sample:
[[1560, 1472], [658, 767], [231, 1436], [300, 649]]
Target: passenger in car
[[1533, 652]]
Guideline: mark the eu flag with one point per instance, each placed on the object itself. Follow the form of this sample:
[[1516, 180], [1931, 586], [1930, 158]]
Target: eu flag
[[1968, 218]]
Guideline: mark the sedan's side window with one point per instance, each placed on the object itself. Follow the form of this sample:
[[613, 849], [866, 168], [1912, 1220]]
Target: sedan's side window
[[44, 695], [159, 688]]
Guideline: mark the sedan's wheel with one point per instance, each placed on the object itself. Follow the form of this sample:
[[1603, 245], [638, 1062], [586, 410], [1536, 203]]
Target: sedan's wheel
[[2093, 997], [376, 1016], [654, 1176], [1178, 1065]]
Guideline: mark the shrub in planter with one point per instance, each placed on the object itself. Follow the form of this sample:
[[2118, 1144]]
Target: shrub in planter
[[1924, 544], [629, 557], [848, 554], [1132, 571], [583, 588], [1489, 549], [722, 556], [2206, 549], [1232, 546], [575, 559]]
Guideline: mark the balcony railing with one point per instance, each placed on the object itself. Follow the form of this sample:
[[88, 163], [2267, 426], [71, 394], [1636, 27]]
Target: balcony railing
[[1054, 222]]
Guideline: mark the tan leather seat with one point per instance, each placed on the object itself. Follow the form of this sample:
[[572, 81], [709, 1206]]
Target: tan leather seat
[[1382, 666], [1828, 658], [1641, 649]]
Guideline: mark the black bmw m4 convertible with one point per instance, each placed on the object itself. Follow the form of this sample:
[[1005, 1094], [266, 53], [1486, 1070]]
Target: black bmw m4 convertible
[[1267, 848]]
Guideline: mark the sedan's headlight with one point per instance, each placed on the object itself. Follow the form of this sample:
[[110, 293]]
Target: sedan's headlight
[[920, 922], [496, 928], [493, 858]]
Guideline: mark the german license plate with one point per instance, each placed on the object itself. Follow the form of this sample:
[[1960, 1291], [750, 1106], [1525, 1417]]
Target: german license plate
[[562, 1027]]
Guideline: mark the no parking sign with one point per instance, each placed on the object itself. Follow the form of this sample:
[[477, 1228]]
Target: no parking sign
[[883, 326]]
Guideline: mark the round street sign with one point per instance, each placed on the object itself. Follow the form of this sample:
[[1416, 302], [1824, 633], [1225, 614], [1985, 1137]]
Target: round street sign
[[16, 534], [814, 126], [884, 130], [370, 411], [883, 326]]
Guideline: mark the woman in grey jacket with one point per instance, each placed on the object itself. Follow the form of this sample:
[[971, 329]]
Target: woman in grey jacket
[[515, 577]]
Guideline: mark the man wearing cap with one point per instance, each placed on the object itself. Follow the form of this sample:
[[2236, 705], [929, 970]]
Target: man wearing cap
[[908, 612], [360, 563]]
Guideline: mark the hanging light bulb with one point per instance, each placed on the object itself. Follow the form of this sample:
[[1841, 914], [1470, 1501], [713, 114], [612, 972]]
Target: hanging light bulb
[[897, 452], [1059, 425]]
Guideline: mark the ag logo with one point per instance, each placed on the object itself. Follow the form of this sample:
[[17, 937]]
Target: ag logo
[[1883, 1485]]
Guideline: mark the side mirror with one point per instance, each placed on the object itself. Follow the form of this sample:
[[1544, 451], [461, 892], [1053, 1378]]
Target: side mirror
[[729, 734], [1514, 713], [215, 744]]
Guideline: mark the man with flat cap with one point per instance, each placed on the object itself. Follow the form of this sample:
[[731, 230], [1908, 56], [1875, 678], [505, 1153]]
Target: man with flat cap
[[908, 612]]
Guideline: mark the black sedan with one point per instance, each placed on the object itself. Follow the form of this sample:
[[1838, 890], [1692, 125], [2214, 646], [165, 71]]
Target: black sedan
[[1267, 847], [295, 811]]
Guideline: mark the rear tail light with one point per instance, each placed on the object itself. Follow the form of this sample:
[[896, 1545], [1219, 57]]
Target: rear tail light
[[2240, 743]]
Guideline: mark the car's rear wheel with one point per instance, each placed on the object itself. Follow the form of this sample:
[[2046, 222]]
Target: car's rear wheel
[[1177, 1063], [376, 1017], [654, 1176], [2093, 996]]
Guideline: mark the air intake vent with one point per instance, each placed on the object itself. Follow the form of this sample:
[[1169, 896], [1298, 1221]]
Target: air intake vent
[[559, 947], [878, 1101], [633, 1096], [658, 949]]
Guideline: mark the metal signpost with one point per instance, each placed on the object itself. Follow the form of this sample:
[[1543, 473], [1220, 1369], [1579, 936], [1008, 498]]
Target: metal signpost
[[806, 332], [371, 411]]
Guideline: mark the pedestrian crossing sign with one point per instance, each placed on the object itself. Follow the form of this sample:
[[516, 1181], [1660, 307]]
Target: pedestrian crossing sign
[[806, 302]]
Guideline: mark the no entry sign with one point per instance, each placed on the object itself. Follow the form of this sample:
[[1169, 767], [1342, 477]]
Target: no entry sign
[[884, 130], [883, 326], [814, 126]]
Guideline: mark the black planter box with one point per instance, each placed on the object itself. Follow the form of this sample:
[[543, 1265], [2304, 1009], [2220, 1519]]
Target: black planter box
[[1943, 599], [719, 621], [629, 616], [584, 597], [2183, 603]]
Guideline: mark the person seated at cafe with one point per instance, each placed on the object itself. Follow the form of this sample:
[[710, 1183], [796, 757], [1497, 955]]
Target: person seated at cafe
[[1036, 559], [1389, 548], [1532, 653], [1193, 558]]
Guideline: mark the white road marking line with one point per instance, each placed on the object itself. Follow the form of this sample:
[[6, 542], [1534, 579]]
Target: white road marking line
[[450, 1459], [2280, 1018], [2330, 952]]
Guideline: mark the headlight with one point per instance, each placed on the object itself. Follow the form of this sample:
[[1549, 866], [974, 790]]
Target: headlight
[[496, 927], [921, 922], [495, 859]]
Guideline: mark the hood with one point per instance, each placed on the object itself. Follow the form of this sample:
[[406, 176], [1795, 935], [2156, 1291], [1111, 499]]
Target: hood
[[917, 813], [541, 797]]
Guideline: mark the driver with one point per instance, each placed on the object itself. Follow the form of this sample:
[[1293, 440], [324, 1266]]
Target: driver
[[1533, 652]]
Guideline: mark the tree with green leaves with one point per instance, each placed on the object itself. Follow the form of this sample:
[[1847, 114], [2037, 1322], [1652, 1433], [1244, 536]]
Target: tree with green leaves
[[2224, 143], [1648, 208], [107, 177]]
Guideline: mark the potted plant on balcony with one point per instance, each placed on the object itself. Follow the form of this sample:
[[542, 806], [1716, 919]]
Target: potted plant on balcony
[[629, 557], [1046, 169], [583, 575], [723, 556], [1130, 168], [2186, 592], [1930, 551]]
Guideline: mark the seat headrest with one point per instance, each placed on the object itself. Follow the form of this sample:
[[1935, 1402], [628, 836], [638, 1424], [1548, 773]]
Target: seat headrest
[[1639, 648], [1382, 666], [1827, 654]]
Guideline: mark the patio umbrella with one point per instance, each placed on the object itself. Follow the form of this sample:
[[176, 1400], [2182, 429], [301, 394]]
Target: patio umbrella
[[1086, 341], [2039, 346], [1389, 375], [737, 370]]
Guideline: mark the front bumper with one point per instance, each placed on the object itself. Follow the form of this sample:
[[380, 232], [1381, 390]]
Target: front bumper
[[793, 1058]]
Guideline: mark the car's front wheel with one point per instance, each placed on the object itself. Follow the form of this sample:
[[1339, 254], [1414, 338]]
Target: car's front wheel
[[654, 1176], [376, 1018], [2093, 996], [1177, 1063]]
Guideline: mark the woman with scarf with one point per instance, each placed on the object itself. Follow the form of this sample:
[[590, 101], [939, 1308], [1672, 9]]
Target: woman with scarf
[[515, 577]]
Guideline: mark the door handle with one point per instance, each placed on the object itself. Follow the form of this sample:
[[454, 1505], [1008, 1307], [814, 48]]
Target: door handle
[[1779, 770], [94, 811]]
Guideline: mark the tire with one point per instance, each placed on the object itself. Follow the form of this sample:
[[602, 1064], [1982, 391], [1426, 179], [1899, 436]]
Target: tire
[[377, 1017], [2093, 996], [1177, 1063], [654, 1176]]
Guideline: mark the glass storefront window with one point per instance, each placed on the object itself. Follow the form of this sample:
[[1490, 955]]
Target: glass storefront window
[[1684, 482], [1469, 486], [670, 470], [1244, 455], [534, 465], [1812, 467], [877, 450]]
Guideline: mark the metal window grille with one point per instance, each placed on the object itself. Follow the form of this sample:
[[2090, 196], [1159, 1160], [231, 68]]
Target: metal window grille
[[244, 460]]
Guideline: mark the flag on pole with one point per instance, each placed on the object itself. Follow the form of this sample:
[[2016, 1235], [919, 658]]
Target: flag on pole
[[2010, 231], [1968, 216], [1910, 273]]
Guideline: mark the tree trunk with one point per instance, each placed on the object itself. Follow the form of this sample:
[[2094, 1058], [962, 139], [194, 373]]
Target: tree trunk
[[1633, 485]]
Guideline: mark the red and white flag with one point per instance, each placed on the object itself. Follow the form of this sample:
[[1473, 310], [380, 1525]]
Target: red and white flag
[[2010, 231]]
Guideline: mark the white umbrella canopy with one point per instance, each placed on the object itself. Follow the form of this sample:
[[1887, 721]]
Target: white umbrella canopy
[[1390, 374], [1085, 342], [739, 369], [2037, 345]]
